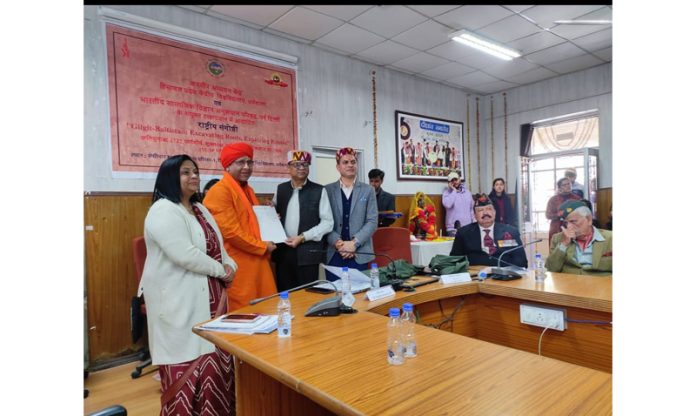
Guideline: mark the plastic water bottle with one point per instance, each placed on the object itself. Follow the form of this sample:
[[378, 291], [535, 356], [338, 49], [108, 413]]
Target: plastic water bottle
[[408, 323], [346, 293], [374, 276], [395, 345], [539, 271], [284, 316]]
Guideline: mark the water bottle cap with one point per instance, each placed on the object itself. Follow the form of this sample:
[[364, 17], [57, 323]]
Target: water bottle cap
[[537, 256], [345, 269], [374, 265], [408, 307], [393, 312], [482, 275], [284, 295]]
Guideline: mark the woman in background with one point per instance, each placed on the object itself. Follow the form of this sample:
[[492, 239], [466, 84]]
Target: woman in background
[[504, 212], [563, 189], [183, 282]]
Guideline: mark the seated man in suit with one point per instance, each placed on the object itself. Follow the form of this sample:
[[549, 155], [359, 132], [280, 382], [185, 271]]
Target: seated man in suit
[[580, 247], [486, 240]]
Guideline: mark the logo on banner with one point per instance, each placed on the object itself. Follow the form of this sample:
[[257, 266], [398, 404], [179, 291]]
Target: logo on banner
[[215, 68], [276, 81]]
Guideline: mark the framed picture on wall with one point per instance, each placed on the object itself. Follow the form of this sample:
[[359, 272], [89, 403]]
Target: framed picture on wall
[[428, 148]]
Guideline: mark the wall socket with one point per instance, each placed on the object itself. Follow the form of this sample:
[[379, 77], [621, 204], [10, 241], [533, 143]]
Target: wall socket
[[543, 317]]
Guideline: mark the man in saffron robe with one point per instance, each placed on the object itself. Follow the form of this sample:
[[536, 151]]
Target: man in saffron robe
[[231, 201]]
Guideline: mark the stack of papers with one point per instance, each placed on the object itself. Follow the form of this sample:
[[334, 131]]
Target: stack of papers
[[359, 282], [265, 325]]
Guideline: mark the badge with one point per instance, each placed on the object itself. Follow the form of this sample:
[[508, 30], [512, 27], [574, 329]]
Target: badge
[[507, 243]]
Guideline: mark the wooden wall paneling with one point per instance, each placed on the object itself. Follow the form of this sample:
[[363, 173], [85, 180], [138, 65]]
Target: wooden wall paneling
[[588, 345], [115, 219], [260, 394], [604, 205]]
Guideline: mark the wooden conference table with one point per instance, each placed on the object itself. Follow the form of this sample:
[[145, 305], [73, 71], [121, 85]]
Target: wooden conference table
[[338, 365]]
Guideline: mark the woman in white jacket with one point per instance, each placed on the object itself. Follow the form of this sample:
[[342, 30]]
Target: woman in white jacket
[[183, 282]]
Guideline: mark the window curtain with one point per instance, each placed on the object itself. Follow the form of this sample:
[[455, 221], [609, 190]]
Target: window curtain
[[526, 131]]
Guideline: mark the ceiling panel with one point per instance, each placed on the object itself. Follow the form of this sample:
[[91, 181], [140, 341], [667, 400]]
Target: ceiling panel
[[432, 11], [509, 29], [545, 15], [555, 54], [574, 64], [473, 17], [595, 41], [386, 53], [518, 8], [260, 15], [415, 39], [497, 86], [350, 38], [340, 12], [448, 71], [305, 23], [388, 21], [531, 76], [603, 54], [419, 63], [472, 79], [504, 69], [425, 35]]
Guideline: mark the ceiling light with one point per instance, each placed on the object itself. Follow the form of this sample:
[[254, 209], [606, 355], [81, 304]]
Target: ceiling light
[[484, 45], [583, 22]]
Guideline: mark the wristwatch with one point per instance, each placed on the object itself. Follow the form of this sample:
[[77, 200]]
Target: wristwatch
[[302, 238]]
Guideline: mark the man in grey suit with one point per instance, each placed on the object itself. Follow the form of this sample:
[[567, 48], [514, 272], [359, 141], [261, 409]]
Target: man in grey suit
[[354, 208]]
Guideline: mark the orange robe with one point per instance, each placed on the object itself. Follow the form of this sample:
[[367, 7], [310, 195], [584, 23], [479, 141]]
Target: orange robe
[[231, 205]]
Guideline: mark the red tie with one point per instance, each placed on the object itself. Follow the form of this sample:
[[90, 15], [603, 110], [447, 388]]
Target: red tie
[[488, 242]]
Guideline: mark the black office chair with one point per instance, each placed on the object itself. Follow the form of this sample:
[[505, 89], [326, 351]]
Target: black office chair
[[138, 310], [115, 410]]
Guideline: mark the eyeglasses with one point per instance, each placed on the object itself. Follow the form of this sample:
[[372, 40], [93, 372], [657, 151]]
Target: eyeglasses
[[241, 163], [299, 165]]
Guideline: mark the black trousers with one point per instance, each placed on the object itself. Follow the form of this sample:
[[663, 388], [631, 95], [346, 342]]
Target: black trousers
[[288, 273]]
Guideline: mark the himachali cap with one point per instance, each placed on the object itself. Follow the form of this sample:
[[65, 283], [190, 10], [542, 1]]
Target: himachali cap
[[481, 200], [567, 207], [452, 175], [299, 156], [344, 151]]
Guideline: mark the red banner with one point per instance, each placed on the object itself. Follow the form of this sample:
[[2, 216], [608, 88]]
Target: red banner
[[169, 97]]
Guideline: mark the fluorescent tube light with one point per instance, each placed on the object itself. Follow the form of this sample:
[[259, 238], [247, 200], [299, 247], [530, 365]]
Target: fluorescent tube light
[[484, 45]]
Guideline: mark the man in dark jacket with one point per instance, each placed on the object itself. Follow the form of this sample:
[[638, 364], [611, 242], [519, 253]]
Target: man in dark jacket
[[484, 241], [305, 212], [385, 200]]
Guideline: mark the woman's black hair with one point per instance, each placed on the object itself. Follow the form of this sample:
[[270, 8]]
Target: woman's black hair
[[560, 181], [168, 182], [496, 180]]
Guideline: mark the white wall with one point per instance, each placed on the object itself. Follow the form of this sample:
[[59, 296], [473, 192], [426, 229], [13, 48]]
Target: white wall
[[566, 94], [338, 92]]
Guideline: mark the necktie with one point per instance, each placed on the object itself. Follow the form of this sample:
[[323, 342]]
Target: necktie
[[488, 242]]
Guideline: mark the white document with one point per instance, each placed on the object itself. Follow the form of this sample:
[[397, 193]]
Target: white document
[[269, 223], [455, 278], [358, 280], [265, 325]]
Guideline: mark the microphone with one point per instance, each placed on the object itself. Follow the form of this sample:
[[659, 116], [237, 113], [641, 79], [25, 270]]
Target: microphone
[[327, 307], [507, 273], [517, 248]]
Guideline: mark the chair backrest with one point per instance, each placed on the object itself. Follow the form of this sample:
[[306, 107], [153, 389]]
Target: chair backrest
[[139, 254], [395, 242]]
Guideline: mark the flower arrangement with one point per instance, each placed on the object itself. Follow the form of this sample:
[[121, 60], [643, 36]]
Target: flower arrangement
[[422, 217]]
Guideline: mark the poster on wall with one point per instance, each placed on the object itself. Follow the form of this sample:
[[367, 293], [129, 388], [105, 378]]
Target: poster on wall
[[169, 97], [428, 148]]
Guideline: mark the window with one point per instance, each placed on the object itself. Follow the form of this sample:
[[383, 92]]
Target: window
[[565, 135]]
